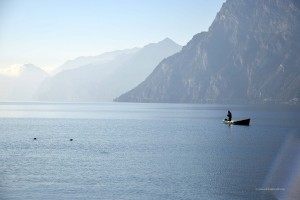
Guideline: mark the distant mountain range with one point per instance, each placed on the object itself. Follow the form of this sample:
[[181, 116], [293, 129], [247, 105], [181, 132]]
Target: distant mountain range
[[20, 82], [104, 77], [250, 54], [95, 60]]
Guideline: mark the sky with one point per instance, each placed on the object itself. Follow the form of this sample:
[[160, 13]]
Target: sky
[[47, 33]]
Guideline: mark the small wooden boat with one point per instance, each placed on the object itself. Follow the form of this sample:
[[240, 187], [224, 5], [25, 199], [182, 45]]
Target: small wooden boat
[[244, 122]]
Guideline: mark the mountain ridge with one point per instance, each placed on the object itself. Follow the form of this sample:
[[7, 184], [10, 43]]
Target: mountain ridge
[[248, 55], [20, 82], [99, 59], [103, 81]]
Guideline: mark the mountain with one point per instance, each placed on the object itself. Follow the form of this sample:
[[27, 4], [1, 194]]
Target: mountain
[[106, 76], [250, 54], [20, 82], [100, 59]]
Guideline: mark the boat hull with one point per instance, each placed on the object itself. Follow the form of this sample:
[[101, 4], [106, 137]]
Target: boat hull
[[244, 122]]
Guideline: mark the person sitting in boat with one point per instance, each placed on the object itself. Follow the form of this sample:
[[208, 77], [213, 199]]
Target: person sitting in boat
[[229, 115]]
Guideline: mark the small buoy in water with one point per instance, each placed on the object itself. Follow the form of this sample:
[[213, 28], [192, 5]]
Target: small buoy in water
[[71, 139], [34, 138]]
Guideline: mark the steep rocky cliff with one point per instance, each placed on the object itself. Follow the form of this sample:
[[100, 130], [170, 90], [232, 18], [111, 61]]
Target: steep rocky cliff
[[250, 54]]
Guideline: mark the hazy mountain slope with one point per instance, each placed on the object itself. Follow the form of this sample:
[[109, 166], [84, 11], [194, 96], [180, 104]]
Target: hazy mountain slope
[[20, 82], [103, 81], [250, 54], [100, 59]]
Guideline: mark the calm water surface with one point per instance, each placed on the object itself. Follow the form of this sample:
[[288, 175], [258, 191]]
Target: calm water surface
[[148, 151]]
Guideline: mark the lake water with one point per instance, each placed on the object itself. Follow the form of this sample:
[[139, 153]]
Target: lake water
[[148, 151]]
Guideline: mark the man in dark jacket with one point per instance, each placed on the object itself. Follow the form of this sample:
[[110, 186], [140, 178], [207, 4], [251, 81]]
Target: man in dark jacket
[[229, 115]]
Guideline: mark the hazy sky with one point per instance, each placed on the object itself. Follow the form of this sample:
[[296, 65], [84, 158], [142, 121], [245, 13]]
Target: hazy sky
[[49, 32]]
